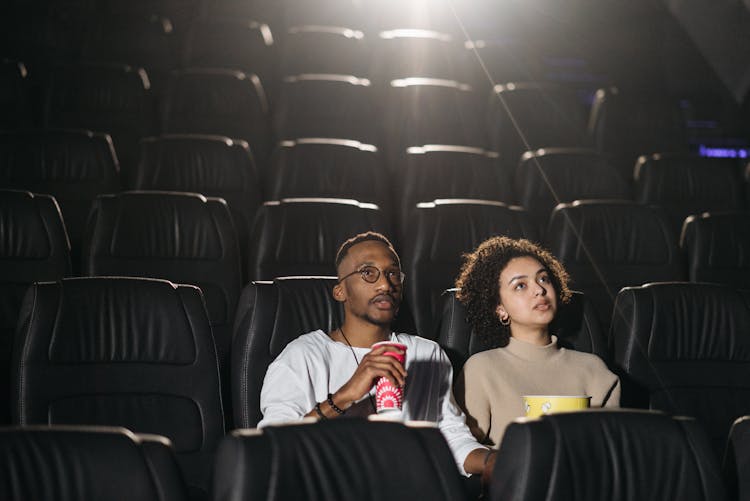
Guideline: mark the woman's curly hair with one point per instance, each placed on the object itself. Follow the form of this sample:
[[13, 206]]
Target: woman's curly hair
[[479, 282]]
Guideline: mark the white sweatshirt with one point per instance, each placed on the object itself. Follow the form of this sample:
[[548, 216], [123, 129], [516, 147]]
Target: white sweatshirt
[[314, 365]]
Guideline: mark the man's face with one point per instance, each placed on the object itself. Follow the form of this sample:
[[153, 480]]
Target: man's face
[[376, 302]]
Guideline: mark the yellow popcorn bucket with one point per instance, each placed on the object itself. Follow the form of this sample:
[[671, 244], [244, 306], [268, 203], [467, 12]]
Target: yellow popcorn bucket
[[538, 405]]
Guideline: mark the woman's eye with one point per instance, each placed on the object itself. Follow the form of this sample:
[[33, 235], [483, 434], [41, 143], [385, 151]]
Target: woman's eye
[[520, 286], [544, 279]]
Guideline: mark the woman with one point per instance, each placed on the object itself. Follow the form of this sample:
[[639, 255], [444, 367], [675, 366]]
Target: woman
[[512, 290]]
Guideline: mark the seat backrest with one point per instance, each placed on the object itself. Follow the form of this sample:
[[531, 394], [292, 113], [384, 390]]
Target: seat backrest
[[231, 42], [72, 165], [606, 245], [300, 236], [685, 184], [525, 116], [146, 40], [128, 352], [99, 463], [440, 232], [718, 248], [33, 247], [549, 176], [103, 97], [407, 52], [310, 48], [221, 102], [684, 348], [605, 454], [336, 460], [269, 316], [736, 463], [576, 327], [419, 111], [328, 106], [321, 167], [628, 124], [181, 237], [440, 171], [213, 166]]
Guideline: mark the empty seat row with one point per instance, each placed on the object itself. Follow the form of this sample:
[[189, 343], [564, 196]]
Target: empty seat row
[[189, 238], [415, 111]]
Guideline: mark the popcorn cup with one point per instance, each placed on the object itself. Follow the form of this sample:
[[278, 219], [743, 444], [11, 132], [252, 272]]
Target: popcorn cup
[[389, 397], [538, 405]]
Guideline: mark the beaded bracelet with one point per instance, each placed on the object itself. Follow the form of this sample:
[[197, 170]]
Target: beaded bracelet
[[319, 412], [334, 406]]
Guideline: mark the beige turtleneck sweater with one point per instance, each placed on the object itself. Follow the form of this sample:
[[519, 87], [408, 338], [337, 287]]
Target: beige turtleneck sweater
[[492, 382]]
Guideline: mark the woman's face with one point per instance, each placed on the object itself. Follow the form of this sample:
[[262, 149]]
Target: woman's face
[[527, 295]]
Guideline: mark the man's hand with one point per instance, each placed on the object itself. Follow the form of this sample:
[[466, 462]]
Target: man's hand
[[374, 365]]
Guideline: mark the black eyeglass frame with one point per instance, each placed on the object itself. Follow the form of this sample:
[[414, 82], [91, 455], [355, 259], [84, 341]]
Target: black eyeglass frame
[[402, 275]]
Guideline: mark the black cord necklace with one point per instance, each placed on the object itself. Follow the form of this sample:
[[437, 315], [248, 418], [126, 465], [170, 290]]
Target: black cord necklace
[[351, 348]]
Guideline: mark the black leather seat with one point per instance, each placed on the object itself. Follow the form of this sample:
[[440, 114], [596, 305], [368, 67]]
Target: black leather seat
[[102, 97], [213, 166], [718, 248], [685, 184], [605, 454], [419, 111], [58, 463], [440, 171], [627, 124], [440, 232], [337, 460], [72, 165], [576, 327], [321, 167], [609, 244], [684, 348], [549, 176], [736, 464], [402, 51], [182, 237], [269, 316], [300, 236], [33, 248], [125, 352], [221, 102], [328, 106], [526, 116], [314, 48], [146, 39], [219, 41]]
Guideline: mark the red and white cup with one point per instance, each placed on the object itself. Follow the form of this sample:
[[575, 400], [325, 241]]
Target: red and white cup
[[389, 397]]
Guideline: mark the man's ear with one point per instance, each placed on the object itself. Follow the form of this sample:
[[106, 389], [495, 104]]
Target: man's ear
[[338, 293]]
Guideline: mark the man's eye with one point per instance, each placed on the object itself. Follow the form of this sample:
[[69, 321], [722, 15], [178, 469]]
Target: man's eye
[[367, 272]]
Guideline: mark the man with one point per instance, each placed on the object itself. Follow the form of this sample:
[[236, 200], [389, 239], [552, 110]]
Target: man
[[327, 375]]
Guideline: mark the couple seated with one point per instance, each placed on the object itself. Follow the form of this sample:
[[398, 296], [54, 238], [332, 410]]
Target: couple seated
[[511, 288]]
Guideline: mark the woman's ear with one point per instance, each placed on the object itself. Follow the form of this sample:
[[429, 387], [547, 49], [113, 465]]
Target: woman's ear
[[500, 312], [338, 293]]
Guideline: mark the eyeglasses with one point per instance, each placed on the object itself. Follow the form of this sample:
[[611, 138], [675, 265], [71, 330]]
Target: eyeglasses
[[371, 274]]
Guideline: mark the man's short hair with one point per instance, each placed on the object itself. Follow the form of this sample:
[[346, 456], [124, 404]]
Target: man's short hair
[[368, 236]]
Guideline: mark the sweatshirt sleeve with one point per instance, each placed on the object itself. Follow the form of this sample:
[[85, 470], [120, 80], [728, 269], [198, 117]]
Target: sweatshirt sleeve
[[286, 394], [472, 399], [453, 422]]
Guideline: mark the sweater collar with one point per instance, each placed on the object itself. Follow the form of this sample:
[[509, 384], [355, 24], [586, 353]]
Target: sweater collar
[[532, 352]]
